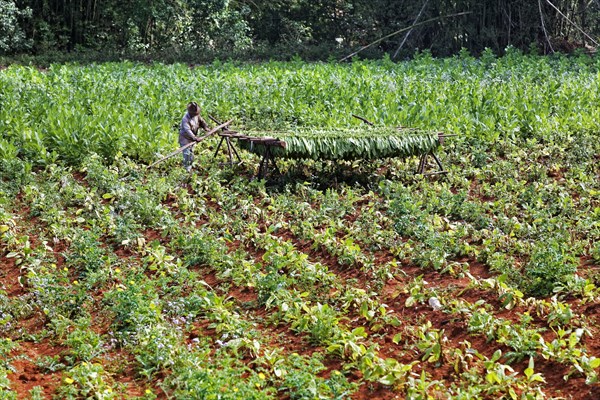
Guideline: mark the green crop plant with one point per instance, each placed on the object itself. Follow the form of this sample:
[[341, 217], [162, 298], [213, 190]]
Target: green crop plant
[[366, 303], [6, 393], [481, 321], [417, 292], [564, 348], [321, 321], [8, 234], [551, 263], [86, 255], [85, 344], [560, 314], [431, 343], [595, 251], [301, 382], [6, 347], [87, 380], [157, 347], [50, 363], [198, 374], [36, 393], [388, 371]]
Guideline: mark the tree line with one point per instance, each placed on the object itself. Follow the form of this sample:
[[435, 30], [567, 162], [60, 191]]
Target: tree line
[[232, 27]]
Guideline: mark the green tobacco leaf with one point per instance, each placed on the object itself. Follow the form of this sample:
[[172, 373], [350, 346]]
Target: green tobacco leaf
[[348, 144]]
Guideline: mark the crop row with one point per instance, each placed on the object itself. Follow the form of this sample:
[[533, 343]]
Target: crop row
[[69, 111]]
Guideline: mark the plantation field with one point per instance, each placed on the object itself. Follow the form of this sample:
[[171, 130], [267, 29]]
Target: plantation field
[[345, 279]]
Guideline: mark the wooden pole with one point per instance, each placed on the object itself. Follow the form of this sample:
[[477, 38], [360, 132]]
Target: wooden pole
[[366, 121], [181, 149], [216, 121], [219, 146], [573, 23]]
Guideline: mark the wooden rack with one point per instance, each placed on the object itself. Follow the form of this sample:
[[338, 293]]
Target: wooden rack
[[271, 142], [267, 158]]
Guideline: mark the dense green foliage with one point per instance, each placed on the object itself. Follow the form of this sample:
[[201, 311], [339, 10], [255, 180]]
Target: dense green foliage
[[12, 35], [70, 111], [348, 144], [337, 280], [199, 30]]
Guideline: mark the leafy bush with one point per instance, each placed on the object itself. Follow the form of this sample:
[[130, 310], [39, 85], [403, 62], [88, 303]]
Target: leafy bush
[[198, 376], [129, 108], [12, 36], [5, 392], [15, 173], [87, 380], [551, 263], [87, 255], [300, 381]]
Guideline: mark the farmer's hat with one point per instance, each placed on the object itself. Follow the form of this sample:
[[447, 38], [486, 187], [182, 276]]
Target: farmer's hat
[[193, 108]]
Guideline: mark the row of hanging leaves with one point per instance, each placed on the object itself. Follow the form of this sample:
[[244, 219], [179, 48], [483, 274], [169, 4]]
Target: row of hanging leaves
[[347, 144]]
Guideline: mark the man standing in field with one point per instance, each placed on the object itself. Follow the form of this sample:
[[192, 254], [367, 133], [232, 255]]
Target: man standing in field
[[191, 122]]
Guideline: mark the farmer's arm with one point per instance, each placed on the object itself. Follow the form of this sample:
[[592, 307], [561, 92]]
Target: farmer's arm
[[203, 124]]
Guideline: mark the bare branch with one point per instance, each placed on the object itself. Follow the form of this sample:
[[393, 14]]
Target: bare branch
[[573, 23], [544, 26], [403, 30], [409, 32]]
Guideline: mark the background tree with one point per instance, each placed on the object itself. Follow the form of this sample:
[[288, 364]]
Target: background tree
[[12, 36], [226, 27]]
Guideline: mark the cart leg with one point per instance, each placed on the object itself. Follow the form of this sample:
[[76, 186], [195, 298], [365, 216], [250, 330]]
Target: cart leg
[[421, 166], [423, 163], [275, 167], [437, 160], [219, 146], [229, 151], [441, 170], [268, 160], [261, 167], [236, 153], [272, 160]]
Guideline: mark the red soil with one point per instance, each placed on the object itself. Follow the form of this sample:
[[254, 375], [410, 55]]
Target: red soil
[[27, 374]]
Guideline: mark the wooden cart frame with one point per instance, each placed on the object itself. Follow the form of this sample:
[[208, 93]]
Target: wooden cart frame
[[268, 161]]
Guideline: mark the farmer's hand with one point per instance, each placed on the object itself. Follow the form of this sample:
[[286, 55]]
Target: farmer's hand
[[198, 139]]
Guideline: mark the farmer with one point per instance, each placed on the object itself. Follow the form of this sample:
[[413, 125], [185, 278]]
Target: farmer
[[190, 124]]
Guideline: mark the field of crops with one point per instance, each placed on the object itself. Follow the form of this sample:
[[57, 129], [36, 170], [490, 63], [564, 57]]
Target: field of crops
[[335, 280]]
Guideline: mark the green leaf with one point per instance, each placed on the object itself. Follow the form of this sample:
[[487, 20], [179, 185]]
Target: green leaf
[[387, 380], [496, 356], [492, 377]]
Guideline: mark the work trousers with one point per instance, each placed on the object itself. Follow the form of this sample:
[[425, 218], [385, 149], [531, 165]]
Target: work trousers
[[188, 158]]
